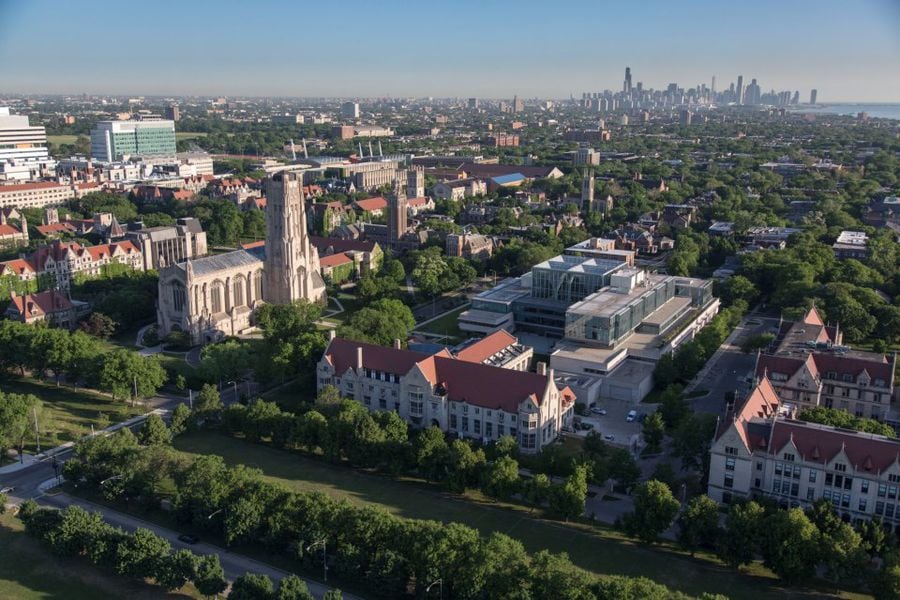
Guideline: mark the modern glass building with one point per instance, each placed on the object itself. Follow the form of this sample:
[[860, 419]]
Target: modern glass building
[[113, 141]]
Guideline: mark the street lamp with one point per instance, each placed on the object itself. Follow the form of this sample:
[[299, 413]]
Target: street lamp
[[324, 557], [211, 515], [440, 584], [111, 478]]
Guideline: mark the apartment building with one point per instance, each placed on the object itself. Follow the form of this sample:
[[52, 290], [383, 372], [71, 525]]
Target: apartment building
[[467, 399], [41, 194], [808, 366], [760, 450]]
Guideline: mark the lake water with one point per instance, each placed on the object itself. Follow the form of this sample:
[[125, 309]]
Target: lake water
[[879, 111]]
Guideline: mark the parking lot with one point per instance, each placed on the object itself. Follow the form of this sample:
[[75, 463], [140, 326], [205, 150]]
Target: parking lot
[[614, 422]]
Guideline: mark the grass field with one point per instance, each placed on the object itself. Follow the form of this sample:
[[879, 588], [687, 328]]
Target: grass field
[[601, 550], [189, 135], [68, 412], [62, 139], [28, 571], [446, 325]]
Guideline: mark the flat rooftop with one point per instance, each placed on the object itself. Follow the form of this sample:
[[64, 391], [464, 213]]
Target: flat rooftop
[[608, 301], [666, 311], [578, 264], [504, 292]]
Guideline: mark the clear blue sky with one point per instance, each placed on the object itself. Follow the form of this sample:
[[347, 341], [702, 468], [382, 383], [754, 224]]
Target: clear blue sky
[[848, 49]]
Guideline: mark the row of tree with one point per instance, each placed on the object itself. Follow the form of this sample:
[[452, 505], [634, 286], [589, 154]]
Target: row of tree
[[366, 545], [80, 359]]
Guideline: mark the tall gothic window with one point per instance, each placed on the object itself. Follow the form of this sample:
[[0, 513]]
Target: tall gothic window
[[258, 285], [239, 291], [178, 296], [215, 296]]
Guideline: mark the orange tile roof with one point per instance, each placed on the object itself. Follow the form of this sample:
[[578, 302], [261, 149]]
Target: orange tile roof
[[335, 260], [18, 266], [256, 244], [40, 304], [6, 230], [53, 228], [370, 204], [486, 347], [21, 187]]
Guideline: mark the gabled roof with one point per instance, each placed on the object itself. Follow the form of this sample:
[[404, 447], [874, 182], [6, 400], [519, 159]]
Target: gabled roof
[[486, 347], [336, 245], [39, 304], [821, 444], [812, 317], [7, 230], [473, 383], [17, 266], [761, 403], [370, 204], [335, 260]]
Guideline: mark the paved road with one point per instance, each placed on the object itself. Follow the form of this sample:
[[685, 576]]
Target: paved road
[[28, 480], [728, 369]]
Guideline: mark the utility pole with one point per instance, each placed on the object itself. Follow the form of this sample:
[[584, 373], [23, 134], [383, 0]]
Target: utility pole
[[37, 436]]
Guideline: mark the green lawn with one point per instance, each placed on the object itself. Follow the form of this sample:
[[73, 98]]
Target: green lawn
[[189, 135], [446, 325], [68, 412], [601, 550], [28, 571], [62, 139]]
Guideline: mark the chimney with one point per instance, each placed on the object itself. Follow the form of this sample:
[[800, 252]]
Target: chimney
[[359, 358], [396, 344], [331, 334], [541, 368]]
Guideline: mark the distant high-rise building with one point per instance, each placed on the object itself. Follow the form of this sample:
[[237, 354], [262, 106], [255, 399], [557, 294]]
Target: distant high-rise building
[[19, 140], [713, 87], [626, 87], [473, 103], [812, 96], [753, 93], [686, 116], [518, 105], [173, 113], [739, 89], [350, 110], [113, 140]]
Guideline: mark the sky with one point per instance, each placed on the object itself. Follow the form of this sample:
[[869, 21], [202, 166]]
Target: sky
[[848, 50]]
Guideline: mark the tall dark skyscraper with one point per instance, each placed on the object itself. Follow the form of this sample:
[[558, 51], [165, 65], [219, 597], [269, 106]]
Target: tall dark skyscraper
[[812, 96], [739, 89], [626, 87]]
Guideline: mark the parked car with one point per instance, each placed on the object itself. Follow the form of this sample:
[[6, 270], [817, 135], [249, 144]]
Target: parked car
[[7, 490], [587, 426], [598, 411], [609, 437], [632, 415], [188, 538]]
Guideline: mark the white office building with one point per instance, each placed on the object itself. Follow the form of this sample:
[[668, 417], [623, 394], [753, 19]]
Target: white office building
[[23, 148], [113, 141]]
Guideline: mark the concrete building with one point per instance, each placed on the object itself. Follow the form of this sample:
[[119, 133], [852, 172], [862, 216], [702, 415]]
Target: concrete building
[[296, 119], [24, 152], [216, 296], [465, 399], [851, 244], [502, 140], [586, 156], [122, 140], [168, 245], [457, 189], [192, 164], [762, 450]]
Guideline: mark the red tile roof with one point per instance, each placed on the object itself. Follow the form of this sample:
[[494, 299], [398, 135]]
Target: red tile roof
[[370, 204], [6, 230], [822, 363], [486, 347], [473, 383], [865, 452], [40, 304], [54, 228], [21, 187], [417, 201], [762, 402], [17, 266], [335, 260]]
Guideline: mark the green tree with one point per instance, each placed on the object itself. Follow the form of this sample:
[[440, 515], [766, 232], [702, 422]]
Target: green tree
[[124, 373], [181, 418], [210, 579], [252, 586], [177, 569], [790, 545], [501, 478], [654, 510], [208, 401], [653, 430], [743, 529], [568, 500], [99, 325], [142, 554], [16, 411], [292, 588], [537, 490], [382, 322], [226, 361], [154, 432], [698, 525]]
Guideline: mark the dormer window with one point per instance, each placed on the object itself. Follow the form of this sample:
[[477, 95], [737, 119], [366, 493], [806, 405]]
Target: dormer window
[[848, 378], [788, 456], [841, 467], [831, 375]]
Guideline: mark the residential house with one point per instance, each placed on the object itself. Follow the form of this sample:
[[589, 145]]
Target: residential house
[[50, 306]]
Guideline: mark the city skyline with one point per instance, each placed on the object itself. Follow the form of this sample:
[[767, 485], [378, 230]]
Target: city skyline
[[395, 49]]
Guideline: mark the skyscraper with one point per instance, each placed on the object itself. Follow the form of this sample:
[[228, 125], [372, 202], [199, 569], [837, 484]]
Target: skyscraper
[[115, 140], [812, 95], [627, 85], [739, 89], [713, 87], [350, 110]]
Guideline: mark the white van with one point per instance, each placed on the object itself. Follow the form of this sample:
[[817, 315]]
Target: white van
[[632, 415]]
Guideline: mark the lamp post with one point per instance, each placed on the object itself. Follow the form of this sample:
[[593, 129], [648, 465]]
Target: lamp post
[[438, 582], [212, 514], [108, 479], [324, 557]]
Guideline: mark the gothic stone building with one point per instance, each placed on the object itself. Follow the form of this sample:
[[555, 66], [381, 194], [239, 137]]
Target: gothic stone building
[[216, 296]]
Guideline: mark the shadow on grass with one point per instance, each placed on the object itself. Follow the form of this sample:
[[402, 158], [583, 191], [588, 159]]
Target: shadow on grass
[[594, 547], [29, 571]]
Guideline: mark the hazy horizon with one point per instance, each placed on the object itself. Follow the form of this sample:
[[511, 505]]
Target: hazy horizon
[[402, 49]]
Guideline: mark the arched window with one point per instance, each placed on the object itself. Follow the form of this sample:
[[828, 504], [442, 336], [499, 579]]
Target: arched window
[[215, 297], [239, 284], [258, 285]]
